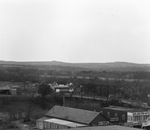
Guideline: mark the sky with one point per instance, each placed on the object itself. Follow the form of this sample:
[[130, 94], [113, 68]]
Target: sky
[[75, 30]]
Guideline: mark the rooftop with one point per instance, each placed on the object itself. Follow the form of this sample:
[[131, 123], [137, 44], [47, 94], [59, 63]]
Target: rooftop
[[124, 109], [73, 114], [63, 122]]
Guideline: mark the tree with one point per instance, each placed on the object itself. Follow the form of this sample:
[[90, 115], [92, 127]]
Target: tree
[[44, 89], [31, 90]]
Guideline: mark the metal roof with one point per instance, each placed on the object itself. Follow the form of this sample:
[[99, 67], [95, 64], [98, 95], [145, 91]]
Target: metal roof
[[123, 109], [73, 114], [63, 122]]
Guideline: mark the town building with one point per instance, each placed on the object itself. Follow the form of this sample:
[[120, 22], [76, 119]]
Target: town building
[[117, 115], [121, 115]]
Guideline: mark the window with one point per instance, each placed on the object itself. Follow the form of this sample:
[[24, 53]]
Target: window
[[116, 114], [100, 123], [108, 114], [123, 117]]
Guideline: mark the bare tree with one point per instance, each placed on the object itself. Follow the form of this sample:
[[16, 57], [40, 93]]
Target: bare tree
[[31, 90]]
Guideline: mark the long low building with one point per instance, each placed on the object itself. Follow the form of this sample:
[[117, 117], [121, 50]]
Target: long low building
[[77, 115], [54, 123], [66, 117]]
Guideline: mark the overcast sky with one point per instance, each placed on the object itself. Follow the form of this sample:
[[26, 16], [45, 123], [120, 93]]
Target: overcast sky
[[75, 30]]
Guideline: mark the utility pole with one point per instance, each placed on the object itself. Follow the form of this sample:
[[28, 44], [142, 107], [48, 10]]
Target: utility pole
[[107, 92], [63, 99]]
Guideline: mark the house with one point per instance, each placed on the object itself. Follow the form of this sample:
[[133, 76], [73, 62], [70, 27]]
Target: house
[[5, 89], [62, 88], [66, 117]]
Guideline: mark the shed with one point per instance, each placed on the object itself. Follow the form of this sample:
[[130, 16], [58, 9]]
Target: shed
[[54, 123], [4, 90], [77, 115]]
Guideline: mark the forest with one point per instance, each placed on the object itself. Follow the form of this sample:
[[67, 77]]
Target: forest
[[120, 84]]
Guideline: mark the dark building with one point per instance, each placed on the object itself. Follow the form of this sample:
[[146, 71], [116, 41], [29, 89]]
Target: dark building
[[5, 90], [114, 114], [117, 115]]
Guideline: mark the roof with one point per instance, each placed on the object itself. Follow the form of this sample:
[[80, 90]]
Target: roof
[[61, 86], [4, 88], [15, 86], [63, 122], [42, 119], [110, 127], [123, 109], [73, 114]]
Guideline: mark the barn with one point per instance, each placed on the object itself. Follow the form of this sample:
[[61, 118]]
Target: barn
[[66, 117]]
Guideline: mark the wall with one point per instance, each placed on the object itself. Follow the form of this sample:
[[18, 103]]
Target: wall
[[114, 115], [99, 120], [50, 125]]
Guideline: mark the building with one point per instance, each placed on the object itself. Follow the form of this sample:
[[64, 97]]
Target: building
[[66, 117], [53, 123], [16, 90], [114, 114], [61, 87], [129, 115], [5, 90], [40, 123], [138, 117], [117, 115], [77, 115], [146, 124], [8, 89]]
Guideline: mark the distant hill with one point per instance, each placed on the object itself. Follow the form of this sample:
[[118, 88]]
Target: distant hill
[[111, 66]]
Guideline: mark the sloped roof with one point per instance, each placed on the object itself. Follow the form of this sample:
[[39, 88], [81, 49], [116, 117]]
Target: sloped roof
[[72, 114], [64, 122], [4, 88]]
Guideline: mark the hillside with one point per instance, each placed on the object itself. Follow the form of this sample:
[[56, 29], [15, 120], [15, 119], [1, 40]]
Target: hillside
[[111, 66]]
